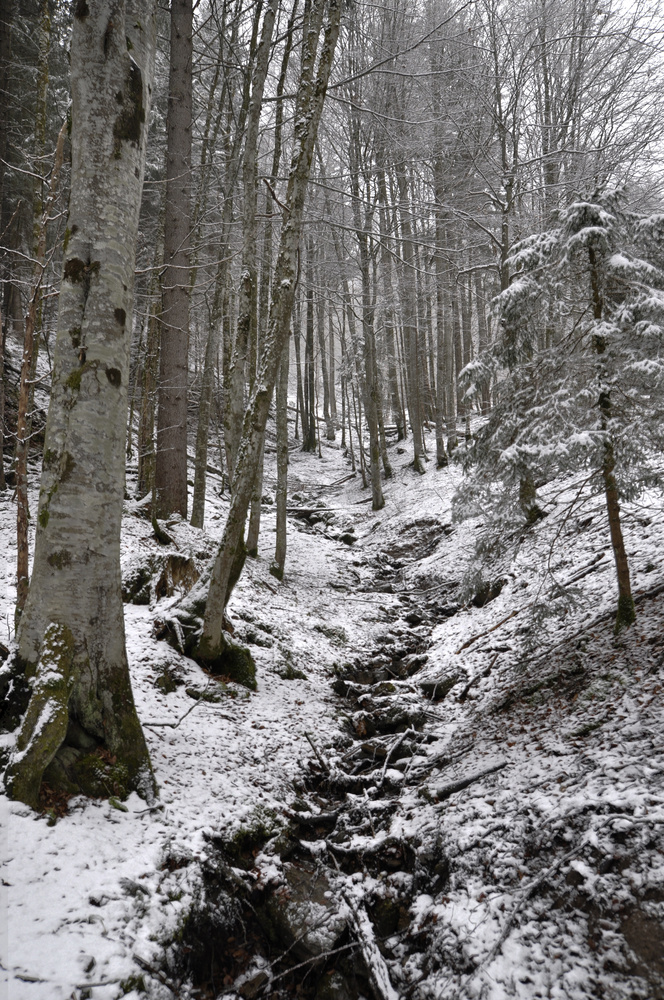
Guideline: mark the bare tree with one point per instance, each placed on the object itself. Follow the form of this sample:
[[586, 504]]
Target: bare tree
[[72, 661]]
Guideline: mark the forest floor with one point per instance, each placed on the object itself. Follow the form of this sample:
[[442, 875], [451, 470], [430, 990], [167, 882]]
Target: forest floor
[[426, 796]]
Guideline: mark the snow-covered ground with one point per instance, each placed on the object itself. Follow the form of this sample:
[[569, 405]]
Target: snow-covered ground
[[550, 869]]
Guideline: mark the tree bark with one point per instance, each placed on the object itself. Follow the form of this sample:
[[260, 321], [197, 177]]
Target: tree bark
[[23, 422], [81, 732], [171, 459]]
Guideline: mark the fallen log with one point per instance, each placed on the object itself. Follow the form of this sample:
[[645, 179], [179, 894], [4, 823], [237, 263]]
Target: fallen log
[[444, 791]]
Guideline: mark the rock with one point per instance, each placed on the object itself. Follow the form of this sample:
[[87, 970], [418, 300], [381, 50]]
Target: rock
[[391, 718], [487, 592], [439, 688], [347, 538], [167, 681], [161, 575], [253, 984], [414, 661], [133, 888], [302, 914]]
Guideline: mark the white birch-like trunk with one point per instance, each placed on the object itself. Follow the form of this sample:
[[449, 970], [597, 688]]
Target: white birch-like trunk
[[81, 731]]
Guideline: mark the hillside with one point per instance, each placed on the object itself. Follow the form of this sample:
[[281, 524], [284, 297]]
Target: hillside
[[425, 797]]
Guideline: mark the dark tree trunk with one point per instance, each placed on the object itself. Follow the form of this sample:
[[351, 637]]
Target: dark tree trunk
[[171, 459]]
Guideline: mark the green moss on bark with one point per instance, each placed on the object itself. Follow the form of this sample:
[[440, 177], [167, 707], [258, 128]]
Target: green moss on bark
[[59, 560], [45, 724], [626, 613], [228, 660]]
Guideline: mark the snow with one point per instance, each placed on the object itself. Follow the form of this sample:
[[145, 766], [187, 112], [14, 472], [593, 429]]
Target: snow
[[94, 899]]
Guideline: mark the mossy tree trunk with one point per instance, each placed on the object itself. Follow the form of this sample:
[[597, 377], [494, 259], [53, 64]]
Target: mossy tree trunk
[[81, 731], [311, 97]]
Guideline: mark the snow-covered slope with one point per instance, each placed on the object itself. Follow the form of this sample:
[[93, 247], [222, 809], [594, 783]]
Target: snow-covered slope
[[542, 878]]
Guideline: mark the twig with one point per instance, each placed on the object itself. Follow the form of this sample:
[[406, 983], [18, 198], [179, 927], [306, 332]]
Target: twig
[[484, 673], [395, 746], [488, 631], [174, 725], [319, 758], [164, 980]]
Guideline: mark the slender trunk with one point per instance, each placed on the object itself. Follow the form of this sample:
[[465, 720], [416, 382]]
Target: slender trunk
[[219, 332], [311, 96], [483, 335], [299, 411], [278, 564], [145, 445], [457, 338], [71, 641], [410, 321], [322, 348], [387, 467], [331, 369], [247, 320], [309, 416], [255, 515], [171, 459], [626, 614], [370, 381], [442, 379], [388, 307]]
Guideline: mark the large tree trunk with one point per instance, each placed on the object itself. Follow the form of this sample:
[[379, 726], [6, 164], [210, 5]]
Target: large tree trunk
[[71, 643], [171, 459], [311, 97]]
